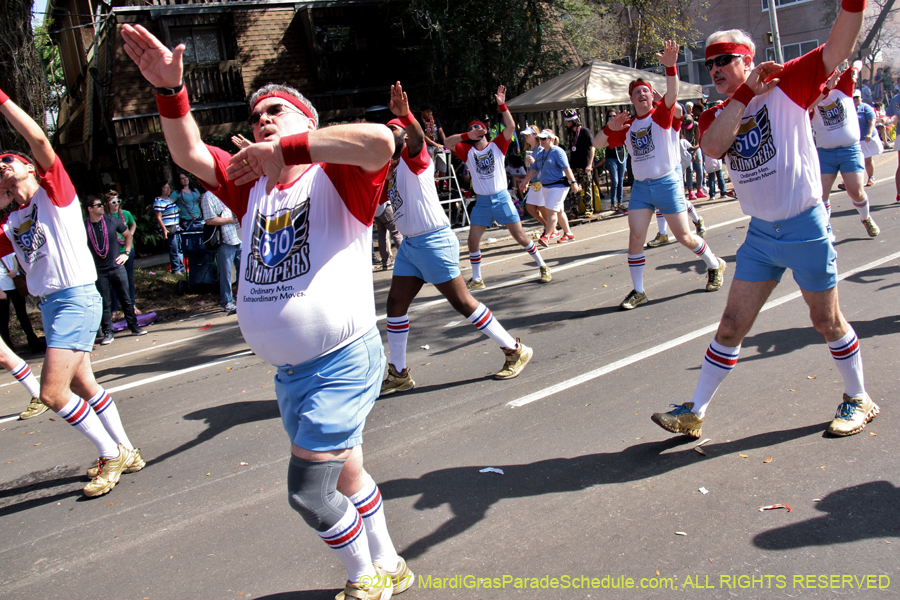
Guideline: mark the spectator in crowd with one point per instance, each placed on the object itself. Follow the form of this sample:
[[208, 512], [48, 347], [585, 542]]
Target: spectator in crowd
[[694, 171], [167, 217], [434, 139], [534, 196], [228, 254], [866, 115], [187, 198], [615, 166], [9, 269], [115, 210], [110, 264], [581, 159], [713, 168]]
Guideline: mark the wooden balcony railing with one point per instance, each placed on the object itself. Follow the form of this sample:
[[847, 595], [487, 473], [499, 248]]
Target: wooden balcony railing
[[214, 82]]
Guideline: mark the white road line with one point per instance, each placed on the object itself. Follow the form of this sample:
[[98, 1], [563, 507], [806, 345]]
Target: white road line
[[156, 378], [559, 387], [579, 263]]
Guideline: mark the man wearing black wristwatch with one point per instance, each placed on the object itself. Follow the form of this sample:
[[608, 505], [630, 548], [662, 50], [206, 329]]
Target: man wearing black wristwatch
[[104, 247]]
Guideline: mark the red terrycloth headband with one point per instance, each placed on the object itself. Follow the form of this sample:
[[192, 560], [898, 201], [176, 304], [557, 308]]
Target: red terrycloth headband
[[396, 122], [636, 83], [720, 48], [285, 96], [479, 123], [21, 158]]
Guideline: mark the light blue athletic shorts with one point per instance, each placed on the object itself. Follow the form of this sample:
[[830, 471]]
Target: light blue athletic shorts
[[801, 244], [496, 207], [848, 159], [665, 193], [432, 257], [71, 317], [324, 402]]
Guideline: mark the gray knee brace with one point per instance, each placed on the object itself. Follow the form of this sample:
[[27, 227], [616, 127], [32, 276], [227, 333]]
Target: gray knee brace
[[312, 491]]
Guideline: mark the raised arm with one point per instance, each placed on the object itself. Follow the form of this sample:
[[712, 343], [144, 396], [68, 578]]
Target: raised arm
[[669, 58], [476, 134], [163, 69], [617, 123], [34, 136], [505, 115], [844, 34], [415, 136]]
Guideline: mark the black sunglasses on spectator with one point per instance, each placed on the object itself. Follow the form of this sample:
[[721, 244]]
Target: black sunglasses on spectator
[[720, 61]]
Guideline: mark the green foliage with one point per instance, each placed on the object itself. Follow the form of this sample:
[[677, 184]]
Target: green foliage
[[147, 234], [53, 70], [648, 23]]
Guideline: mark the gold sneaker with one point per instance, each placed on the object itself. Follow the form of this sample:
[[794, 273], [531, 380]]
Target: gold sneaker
[[402, 576], [475, 284], [633, 300], [138, 464], [546, 276], [515, 361], [370, 587], [35, 408], [108, 472], [396, 381], [681, 419], [700, 225], [871, 228], [661, 239], [716, 277], [852, 415]]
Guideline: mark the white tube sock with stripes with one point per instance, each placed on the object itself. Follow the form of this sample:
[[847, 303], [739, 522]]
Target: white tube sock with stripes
[[848, 360], [717, 364], [23, 375], [348, 540], [370, 507], [79, 415], [706, 253], [475, 261], [484, 320], [397, 335], [103, 405], [636, 264], [661, 223], [534, 253]]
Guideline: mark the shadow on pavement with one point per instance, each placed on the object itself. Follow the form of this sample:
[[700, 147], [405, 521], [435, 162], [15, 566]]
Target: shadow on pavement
[[304, 595], [861, 512], [470, 494]]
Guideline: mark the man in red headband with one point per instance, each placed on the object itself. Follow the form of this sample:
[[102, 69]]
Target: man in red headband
[[652, 142], [764, 131], [48, 236], [486, 162], [306, 199]]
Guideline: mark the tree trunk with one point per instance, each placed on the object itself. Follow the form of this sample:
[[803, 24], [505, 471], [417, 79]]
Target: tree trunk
[[21, 74]]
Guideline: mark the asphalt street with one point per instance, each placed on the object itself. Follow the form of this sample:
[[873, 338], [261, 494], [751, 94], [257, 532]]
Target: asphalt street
[[592, 497]]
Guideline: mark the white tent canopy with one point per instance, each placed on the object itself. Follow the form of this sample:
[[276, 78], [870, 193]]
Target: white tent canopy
[[594, 83]]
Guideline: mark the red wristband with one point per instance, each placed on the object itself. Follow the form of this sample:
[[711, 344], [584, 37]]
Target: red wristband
[[671, 72], [503, 107], [744, 95], [173, 107], [465, 136], [853, 6], [295, 149], [3, 97], [407, 119]]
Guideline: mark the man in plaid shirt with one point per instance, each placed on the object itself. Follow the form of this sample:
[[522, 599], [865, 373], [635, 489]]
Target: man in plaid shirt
[[229, 251]]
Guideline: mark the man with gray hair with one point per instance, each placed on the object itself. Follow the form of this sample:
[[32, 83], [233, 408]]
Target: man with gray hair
[[763, 129], [306, 200]]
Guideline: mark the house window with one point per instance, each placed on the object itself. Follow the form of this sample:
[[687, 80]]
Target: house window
[[780, 3], [201, 44], [698, 58], [792, 51]]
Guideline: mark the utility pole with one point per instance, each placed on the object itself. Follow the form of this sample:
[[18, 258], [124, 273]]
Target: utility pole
[[776, 38]]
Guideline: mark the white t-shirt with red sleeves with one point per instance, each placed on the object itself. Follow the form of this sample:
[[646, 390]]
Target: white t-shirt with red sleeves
[[773, 161], [487, 167], [305, 286], [49, 237], [413, 195], [652, 142], [834, 119]]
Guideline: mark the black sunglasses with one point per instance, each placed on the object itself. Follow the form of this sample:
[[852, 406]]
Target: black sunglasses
[[96, 206], [720, 61], [8, 159], [273, 111]]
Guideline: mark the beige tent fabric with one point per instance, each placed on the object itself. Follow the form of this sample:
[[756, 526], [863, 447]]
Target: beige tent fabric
[[594, 83]]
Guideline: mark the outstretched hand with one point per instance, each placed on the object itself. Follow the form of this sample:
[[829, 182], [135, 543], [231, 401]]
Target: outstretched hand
[[762, 78], [159, 65], [669, 56], [240, 141], [617, 123], [477, 132], [254, 161], [501, 95], [399, 101]]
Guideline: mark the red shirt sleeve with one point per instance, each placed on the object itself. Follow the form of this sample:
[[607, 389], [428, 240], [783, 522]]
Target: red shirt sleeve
[[233, 196], [419, 163], [803, 79], [706, 119], [359, 190], [5, 243], [57, 184], [501, 142], [462, 151], [847, 81], [617, 138], [664, 115]]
